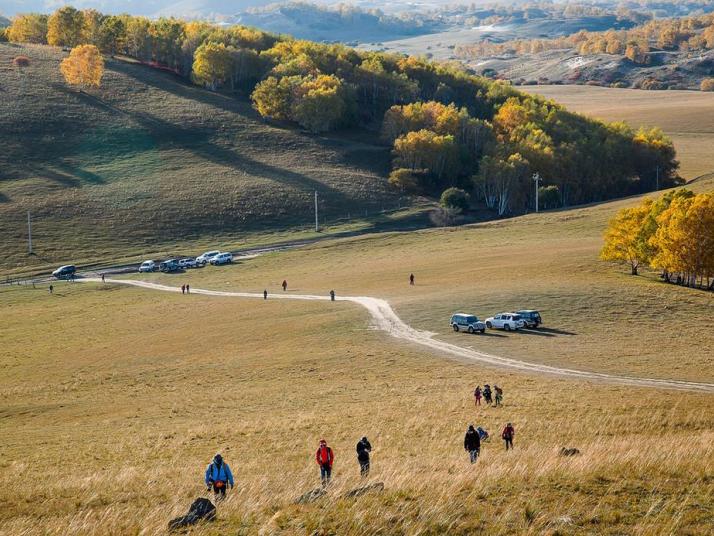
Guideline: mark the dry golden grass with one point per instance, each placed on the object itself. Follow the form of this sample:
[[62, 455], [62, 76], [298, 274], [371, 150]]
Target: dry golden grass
[[684, 115], [112, 400]]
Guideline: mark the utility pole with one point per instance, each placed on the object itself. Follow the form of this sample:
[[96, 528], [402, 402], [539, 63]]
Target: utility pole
[[29, 233], [536, 179], [317, 221], [657, 180]]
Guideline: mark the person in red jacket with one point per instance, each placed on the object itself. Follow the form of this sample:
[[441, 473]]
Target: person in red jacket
[[325, 458], [507, 435]]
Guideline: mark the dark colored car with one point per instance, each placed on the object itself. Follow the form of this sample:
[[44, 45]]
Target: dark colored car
[[171, 265], [531, 318], [64, 272]]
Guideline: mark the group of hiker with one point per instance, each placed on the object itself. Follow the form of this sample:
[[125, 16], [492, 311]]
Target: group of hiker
[[491, 397], [474, 436], [186, 289]]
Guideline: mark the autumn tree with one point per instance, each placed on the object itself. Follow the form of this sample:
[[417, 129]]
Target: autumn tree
[[212, 64], [501, 181], [626, 239], [83, 67], [424, 149], [65, 27], [707, 84], [319, 103], [31, 28]]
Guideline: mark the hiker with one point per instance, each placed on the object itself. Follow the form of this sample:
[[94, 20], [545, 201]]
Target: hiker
[[472, 443], [487, 394], [218, 475], [285, 285], [265, 294], [51, 289], [324, 458], [183, 289], [102, 278], [499, 394], [332, 295], [411, 279], [483, 434], [507, 435], [478, 395], [188, 289], [363, 450]]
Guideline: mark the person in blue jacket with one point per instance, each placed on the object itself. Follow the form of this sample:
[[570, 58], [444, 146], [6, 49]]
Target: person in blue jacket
[[218, 476]]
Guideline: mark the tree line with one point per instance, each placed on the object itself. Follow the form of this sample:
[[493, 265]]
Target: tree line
[[447, 127], [674, 234]]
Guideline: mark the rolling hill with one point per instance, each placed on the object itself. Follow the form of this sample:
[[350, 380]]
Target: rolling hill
[[148, 161]]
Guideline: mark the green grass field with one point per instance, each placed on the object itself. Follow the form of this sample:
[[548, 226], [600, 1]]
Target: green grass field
[[149, 164], [685, 116], [113, 399]]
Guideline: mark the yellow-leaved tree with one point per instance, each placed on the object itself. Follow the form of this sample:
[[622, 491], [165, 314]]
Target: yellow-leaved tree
[[626, 237], [84, 67]]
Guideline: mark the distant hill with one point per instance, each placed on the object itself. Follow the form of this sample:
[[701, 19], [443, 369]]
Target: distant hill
[[149, 160]]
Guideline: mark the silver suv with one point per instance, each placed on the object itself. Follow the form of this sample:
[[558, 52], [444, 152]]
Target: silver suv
[[464, 322]]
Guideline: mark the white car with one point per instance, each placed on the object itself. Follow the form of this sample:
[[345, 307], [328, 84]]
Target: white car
[[187, 263], [147, 266], [507, 321], [465, 322], [221, 258], [206, 257]]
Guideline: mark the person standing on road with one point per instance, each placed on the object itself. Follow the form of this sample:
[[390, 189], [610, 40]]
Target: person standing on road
[[499, 395], [332, 295], [472, 443], [183, 289], [487, 394], [285, 285], [507, 435], [411, 279], [218, 476], [188, 289], [478, 395], [51, 289], [363, 450], [325, 458], [265, 294], [102, 278]]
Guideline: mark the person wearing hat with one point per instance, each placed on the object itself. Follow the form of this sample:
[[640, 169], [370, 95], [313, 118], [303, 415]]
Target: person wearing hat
[[472, 443], [325, 458], [218, 476], [363, 450]]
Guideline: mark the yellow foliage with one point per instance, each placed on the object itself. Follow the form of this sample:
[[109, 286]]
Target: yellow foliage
[[84, 67], [626, 238]]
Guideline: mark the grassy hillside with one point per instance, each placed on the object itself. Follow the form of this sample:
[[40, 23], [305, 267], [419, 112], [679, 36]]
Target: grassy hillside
[[685, 116], [149, 164], [130, 392]]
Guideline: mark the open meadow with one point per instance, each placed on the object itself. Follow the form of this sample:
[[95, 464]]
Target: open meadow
[[685, 116], [113, 399]]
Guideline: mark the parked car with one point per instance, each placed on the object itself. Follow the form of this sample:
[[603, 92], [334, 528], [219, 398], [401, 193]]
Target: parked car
[[206, 257], [64, 272], [507, 321], [464, 322], [221, 258], [170, 265], [147, 266], [187, 263], [531, 318]]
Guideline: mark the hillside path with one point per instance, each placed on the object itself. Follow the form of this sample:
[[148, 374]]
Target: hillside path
[[386, 319]]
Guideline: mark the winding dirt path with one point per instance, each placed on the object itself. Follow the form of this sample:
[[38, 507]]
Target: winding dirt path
[[386, 319]]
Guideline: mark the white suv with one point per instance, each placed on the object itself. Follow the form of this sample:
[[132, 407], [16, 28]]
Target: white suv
[[147, 266], [203, 259], [507, 321], [221, 258]]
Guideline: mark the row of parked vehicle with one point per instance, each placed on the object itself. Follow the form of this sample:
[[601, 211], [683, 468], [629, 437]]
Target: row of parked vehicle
[[215, 258], [526, 318]]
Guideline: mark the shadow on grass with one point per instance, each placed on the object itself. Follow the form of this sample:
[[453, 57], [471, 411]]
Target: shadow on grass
[[4, 198], [555, 331]]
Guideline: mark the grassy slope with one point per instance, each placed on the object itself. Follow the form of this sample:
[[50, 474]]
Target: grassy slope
[[130, 392], [684, 115], [148, 162]]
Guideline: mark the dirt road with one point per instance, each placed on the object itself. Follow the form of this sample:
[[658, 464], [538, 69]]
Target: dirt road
[[386, 319]]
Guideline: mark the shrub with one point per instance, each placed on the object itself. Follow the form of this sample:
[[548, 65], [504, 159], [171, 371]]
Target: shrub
[[548, 197], [455, 198], [405, 180], [707, 84]]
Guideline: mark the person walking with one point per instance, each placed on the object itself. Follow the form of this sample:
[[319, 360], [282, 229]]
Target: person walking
[[325, 458], [411, 279], [52, 289], [332, 295], [183, 289], [102, 278], [477, 395], [218, 476], [285, 285], [507, 435], [363, 449], [487, 394], [499, 395], [472, 443], [188, 289], [265, 294]]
